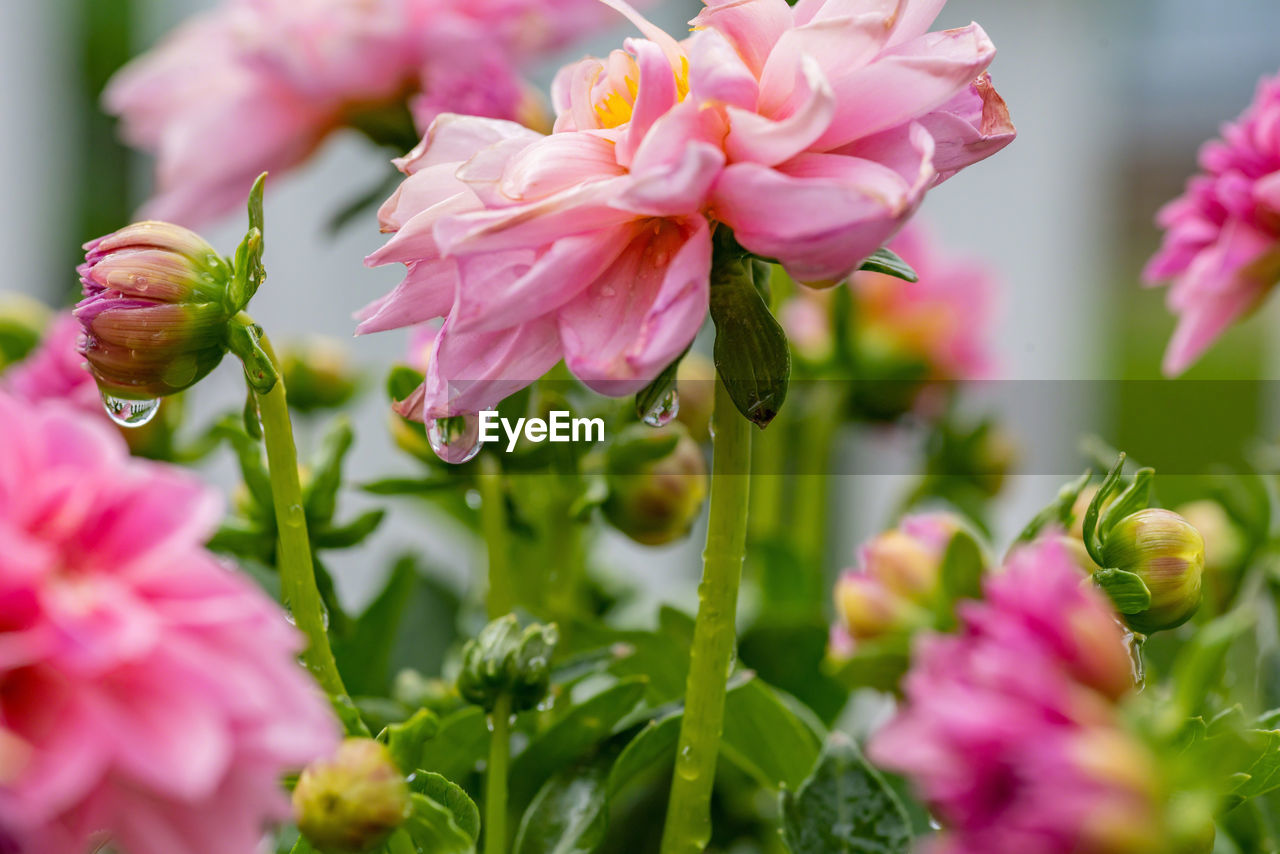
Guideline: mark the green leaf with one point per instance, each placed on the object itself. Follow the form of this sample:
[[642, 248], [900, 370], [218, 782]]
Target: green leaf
[[653, 744], [570, 813], [963, 564], [452, 797], [410, 486], [463, 741], [876, 664], [320, 496], [405, 741], [432, 828], [844, 807], [888, 262], [1199, 665], [364, 656], [1059, 512], [766, 739], [751, 352], [1127, 591], [789, 653], [403, 381], [569, 738], [1263, 775], [351, 534]]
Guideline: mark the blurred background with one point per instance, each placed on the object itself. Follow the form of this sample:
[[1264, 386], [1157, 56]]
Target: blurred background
[[1111, 101]]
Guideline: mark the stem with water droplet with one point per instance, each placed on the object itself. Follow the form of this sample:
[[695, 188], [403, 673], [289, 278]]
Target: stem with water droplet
[[493, 521], [688, 825], [293, 550], [495, 794]]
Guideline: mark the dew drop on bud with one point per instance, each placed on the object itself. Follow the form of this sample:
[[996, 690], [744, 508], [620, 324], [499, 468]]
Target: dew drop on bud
[[664, 411], [686, 764], [129, 413], [455, 440]]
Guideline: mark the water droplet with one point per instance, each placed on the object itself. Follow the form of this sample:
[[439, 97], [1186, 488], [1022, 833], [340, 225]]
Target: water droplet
[[473, 499], [488, 722], [1134, 642], [664, 411], [129, 413], [686, 764], [455, 440]]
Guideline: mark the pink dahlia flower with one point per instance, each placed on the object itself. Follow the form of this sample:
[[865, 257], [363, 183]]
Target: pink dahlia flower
[[56, 370], [593, 244], [148, 694], [1222, 241], [257, 85], [1010, 729]]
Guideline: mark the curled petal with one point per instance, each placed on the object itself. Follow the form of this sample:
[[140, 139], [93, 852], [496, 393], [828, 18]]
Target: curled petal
[[471, 372]]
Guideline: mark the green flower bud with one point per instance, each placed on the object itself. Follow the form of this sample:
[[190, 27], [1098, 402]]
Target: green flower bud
[[350, 803], [696, 386], [1167, 553], [1224, 540], [657, 483], [318, 373], [503, 660]]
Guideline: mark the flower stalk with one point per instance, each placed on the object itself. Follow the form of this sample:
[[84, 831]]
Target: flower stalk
[[688, 825], [493, 522], [293, 555], [495, 795]]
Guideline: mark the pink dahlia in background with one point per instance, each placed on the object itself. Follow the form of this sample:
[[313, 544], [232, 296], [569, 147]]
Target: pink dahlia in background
[[148, 694], [257, 85], [56, 370], [812, 132], [1221, 247], [1010, 729], [895, 584]]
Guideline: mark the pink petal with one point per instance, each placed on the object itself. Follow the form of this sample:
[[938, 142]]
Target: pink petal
[[471, 371], [655, 95], [758, 139], [426, 292], [971, 127], [753, 26]]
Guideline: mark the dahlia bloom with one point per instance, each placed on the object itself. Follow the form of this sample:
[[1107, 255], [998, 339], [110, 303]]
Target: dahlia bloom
[[593, 244], [894, 586], [55, 370], [1221, 247], [1010, 729], [257, 85], [148, 694]]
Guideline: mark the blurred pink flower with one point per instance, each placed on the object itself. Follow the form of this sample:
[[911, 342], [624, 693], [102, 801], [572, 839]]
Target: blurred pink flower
[[593, 243], [148, 694], [1222, 242], [258, 85], [895, 584], [944, 319], [1010, 730], [56, 370]]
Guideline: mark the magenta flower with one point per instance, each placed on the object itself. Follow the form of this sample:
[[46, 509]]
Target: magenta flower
[[148, 694], [593, 244], [1222, 242], [1010, 730], [56, 370], [258, 85]]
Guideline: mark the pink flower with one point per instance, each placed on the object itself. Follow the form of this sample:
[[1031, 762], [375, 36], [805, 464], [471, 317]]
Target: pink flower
[[258, 85], [148, 694], [56, 370], [1222, 242], [895, 584], [593, 244], [1010, 731]]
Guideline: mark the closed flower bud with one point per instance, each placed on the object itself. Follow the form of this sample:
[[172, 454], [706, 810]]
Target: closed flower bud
[[1224, 541], [657, 483], [1167, 553], [503, 660], [154, 312], [350, 803], [696, 386], [318, 373]]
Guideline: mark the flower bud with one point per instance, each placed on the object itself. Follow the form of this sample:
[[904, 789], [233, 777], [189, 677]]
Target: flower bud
[[318, 374], [154, 312], [1167, 553], [350, 803], [897, 582], [503, 660], [1224, 541], [657, 482]]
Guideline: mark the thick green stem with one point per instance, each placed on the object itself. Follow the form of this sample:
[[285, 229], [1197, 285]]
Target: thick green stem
[[688, 826], [495, 795], [293, 551], [493, 521]]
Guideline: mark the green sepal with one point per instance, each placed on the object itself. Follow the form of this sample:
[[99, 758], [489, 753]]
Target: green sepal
[[249, 272], [751, 352], [1112, 484], [1058, 512], [1136, 497], [889, 263], [652, 395], [245, 341], [1127, 591], [404, 741]]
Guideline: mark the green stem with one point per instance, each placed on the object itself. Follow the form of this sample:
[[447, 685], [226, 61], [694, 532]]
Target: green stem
[[495, 795], [818, 431], [493, 522], [293, 552], [688, 826]]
